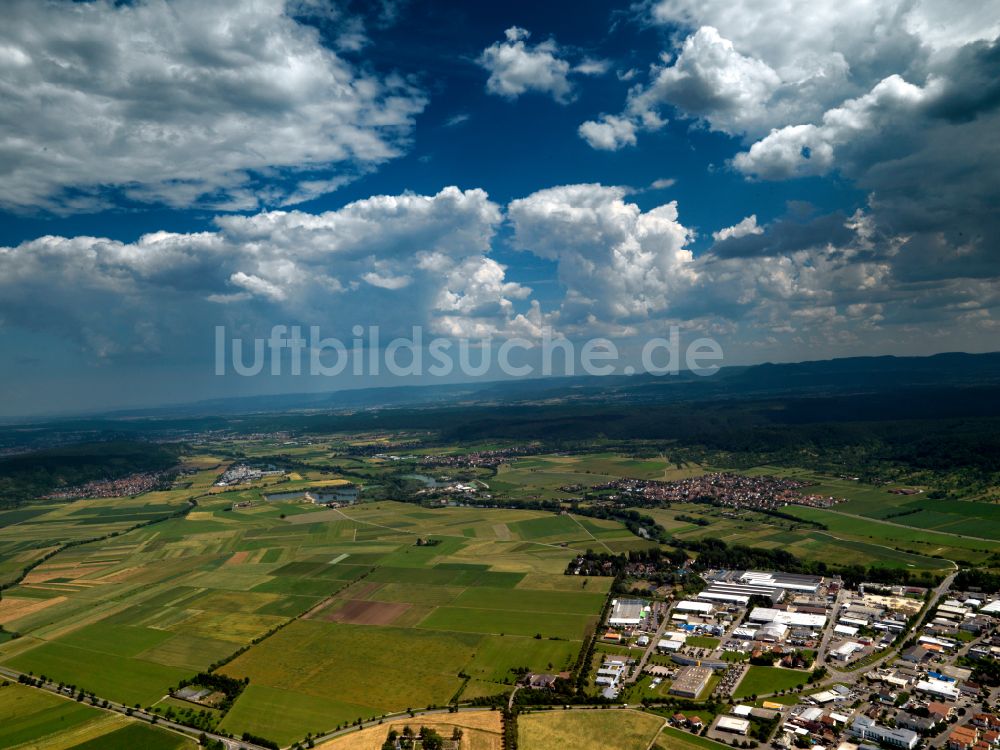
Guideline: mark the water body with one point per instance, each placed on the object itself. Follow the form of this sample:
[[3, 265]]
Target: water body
[[346, 494], [426, 480]]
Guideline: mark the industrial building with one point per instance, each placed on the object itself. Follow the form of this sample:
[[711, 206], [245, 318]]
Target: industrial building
[[737, 586], [627, 612], [938, 689], [690, 681], [732, 724], [846, 650], [609, 676], [724, 594], [791, 619], [773, 632], [785, 581], [866, 729], [670, 644]]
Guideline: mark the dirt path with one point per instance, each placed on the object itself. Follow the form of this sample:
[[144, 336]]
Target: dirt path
[[590, 533], [451, 536], [908, 528]]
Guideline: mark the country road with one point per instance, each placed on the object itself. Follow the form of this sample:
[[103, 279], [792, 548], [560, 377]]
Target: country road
[[137, 713]]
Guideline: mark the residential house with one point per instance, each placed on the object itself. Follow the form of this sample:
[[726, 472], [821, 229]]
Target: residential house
[[962, 738]]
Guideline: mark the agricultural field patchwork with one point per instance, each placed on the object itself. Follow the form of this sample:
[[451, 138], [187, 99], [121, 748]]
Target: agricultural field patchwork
[[307, 602]]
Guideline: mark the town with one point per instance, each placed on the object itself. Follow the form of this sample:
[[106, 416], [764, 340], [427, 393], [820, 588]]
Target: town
[[130, 486], [721, 488]]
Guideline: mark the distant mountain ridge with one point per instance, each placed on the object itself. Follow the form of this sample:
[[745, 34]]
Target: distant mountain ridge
[[826, 377]]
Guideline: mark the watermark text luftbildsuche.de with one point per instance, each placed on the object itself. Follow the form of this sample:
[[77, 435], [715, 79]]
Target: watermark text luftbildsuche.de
[[295, 350]]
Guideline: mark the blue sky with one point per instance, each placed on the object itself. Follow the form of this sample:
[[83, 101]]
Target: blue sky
[[796, 186]]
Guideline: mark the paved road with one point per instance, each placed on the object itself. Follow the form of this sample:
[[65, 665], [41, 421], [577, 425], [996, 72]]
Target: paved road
[[139, 714], [654, 639], [852, 675], [824, 645]]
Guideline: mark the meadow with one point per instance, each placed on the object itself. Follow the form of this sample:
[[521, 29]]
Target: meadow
[[762, 680], [32, 719], [540, 477], [808, 542], [597, 729]]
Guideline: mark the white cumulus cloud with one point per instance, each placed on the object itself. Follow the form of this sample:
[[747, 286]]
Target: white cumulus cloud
[[744, 228], [747, 67], [394, 261], [619, 264], [709, 79], [810, 149], [517, 67], [184, 103], [610, 133]]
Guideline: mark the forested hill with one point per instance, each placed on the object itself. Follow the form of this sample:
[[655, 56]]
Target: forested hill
[[29, 475]]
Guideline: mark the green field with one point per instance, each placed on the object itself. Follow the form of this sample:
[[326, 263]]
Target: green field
[[132, 615], [702, 641], [325, 662], [763, 680], [115, 677], [502, 621], [286, 715], [889, 548], [675, 739], [137, 735], [541, 477], [33, 718], [531, 601]]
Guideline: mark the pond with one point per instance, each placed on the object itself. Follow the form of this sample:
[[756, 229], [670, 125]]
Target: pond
[[426, 480], [345, 494]]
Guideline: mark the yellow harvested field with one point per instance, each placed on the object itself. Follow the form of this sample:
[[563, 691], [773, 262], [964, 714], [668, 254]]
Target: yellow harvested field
[[14, 608], [481, 730], [501, 532], [118, 576], [74, 571], [597, 729], [201, 515]]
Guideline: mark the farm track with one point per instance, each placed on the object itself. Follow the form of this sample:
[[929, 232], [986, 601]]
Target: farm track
[[590, 533], [884, 546], [450, 536], [908, 528]]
